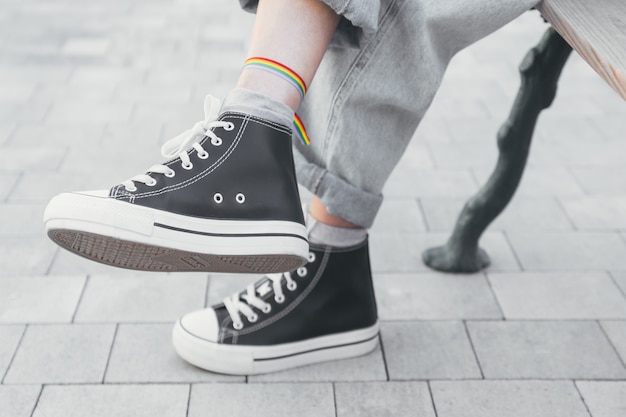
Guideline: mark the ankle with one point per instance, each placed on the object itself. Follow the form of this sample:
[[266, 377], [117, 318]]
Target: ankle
[[258, 104], [321, 214]]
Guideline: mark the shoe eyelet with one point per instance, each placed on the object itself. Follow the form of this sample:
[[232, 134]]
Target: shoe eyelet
[[301, 271], [131, 189], [240, 198], [152, 183], [311, 257], [187, 166], [291, 286], [253, 318], [238, 325], [218, 198], [170, 174], [230, 126], [203, 155], [267, 308], [280, 299], [216, 141]]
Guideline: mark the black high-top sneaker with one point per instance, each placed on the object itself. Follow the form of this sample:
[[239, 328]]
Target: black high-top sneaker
[[324, 310], [225, 201]]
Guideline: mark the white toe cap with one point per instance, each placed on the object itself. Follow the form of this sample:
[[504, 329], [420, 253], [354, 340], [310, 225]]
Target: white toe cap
[[202, 324]]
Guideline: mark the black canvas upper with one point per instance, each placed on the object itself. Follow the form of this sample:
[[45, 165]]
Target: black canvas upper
[[336, 295], [254, 158]]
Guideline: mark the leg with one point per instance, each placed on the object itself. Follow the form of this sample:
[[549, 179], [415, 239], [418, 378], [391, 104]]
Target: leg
[[362, 110], [365, 104], [226, 200], [281, 28], [540, 72]]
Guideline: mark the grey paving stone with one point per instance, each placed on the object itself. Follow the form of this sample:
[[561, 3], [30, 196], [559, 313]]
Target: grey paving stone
[[374, 399], [620, 278], [585, 153], [83, 111], [602, 181], [189, 113], [39, 299], [464, 154], [37, 73], [24, 111], [18, 401], [260, 400], [107, 162], [26, 256], [146, 93], [370, 367], [428, 350], [143, 353], [145, 298], [531, 213], [86, 91], [86, 46], [481, 132], [604, 398], [9, 338], [616, 330], [17, 91], [225, 285], [611, 125], [546, 349], [61, 354], [22, 220], [6, 131], [40, 188], [597, 213], [106, 75], [426, 183], [434, 296], [7, 183], [561, 129], [569, 251], [113, 401], [403, 252], [581, 295], [57, 135], [541, 181], [507, 398], [120, 134], [399, 216], [31, 159]]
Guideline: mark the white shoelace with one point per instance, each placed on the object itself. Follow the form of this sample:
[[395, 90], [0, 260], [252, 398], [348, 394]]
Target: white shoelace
[[185, 142], [237, 305]]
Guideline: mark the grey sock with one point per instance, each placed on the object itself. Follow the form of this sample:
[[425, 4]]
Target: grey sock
[[338, 237], [256, 104]]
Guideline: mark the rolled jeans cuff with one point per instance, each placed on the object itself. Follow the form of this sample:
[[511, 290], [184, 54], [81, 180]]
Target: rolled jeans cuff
[[340, 198]]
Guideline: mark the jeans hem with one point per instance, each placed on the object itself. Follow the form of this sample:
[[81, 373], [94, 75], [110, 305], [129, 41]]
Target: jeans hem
[[340, 198]]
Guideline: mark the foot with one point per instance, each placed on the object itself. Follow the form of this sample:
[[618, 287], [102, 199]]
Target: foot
[[324, 310], [225, 201]]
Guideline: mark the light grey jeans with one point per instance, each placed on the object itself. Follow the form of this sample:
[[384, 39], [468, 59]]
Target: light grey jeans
[[374, 86]]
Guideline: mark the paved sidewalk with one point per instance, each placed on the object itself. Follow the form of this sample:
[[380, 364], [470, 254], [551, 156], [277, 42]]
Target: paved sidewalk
[[88, 90]]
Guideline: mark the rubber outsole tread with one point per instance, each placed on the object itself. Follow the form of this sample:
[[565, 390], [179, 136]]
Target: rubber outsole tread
[[143, 257]]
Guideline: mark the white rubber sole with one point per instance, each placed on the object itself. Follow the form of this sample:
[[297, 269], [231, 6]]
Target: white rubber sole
[[252, 360], [135, 237]]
